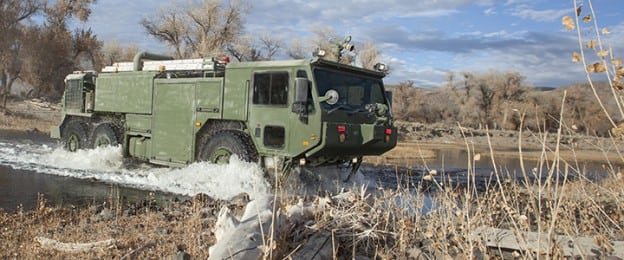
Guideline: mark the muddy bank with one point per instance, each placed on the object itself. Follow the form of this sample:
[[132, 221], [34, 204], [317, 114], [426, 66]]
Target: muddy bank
[[30, 135], [30, 116], [501, 143]]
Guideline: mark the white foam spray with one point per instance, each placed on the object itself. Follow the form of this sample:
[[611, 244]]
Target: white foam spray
[[106, 164]]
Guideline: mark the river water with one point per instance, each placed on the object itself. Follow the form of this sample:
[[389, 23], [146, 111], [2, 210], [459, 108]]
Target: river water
[[29, 168]]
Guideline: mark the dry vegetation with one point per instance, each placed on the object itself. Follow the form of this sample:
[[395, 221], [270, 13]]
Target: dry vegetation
[[392, 225], [388, 223], [500, 100], [128, 230], [30, 115], [556, 199]]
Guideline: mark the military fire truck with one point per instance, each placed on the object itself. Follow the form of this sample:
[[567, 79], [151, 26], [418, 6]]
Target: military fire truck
[[279, 114]]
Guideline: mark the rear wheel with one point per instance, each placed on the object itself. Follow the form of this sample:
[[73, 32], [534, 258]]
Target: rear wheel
[[74, 136], [104, 135], [220, 147]]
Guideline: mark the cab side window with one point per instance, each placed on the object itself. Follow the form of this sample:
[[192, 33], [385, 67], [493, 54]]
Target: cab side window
[[270, 88]]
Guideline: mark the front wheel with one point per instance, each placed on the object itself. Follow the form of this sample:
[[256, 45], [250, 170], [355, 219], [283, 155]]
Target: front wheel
[[220, 147], [74, 136]]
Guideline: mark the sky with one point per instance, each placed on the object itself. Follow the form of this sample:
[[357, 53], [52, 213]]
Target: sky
[[421, 40]]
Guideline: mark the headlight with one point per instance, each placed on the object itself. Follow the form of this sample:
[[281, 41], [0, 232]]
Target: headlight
[[381, 67]]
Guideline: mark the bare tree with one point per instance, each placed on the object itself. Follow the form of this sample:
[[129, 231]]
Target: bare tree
[[60, 11], [45, 68], [271, 45], [401, 97], [12, 13], [329, 40], [247, 48], [51, 51], [369, 55], [11, 72], [296, 50], [171, 27], [502, 100], [87, 50], [113, 51], [244, 49], [203, 28]]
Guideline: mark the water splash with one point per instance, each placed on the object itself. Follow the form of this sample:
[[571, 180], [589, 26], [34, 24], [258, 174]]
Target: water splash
[[107, 165]]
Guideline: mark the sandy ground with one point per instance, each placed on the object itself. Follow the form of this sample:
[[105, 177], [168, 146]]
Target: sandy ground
[[501, 143], [30, 116]]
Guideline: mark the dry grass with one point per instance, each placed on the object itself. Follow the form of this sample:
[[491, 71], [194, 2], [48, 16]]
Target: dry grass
[[30, 115], [399, 224], [389, 223], [140, 231], [17, 121]]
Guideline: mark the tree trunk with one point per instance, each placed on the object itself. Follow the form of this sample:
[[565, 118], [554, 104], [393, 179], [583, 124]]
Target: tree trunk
[[4, 104], [7, 93], [3, 83], [6, 81]]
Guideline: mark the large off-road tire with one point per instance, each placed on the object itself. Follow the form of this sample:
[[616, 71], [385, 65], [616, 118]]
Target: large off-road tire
[[220, 146], [74, 136], [104, 135]]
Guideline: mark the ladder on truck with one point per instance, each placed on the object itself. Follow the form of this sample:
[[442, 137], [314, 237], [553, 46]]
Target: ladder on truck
[[204, 65]]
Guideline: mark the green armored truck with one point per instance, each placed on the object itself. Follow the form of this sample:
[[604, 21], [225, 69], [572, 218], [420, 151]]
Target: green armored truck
[[279, 114]]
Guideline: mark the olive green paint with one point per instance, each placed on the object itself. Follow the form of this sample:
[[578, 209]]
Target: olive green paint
[[163, 115]]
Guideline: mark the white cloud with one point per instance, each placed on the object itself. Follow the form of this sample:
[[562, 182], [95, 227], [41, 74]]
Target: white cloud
[[513, 2], [545, 59], [549, 15], [417, 38], [490, 11]]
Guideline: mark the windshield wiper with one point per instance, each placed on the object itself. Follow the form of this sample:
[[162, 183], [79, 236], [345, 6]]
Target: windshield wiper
[[341, 106], [360, 110]]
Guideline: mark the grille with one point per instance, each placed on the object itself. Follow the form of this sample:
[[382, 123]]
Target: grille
[[74, 99]]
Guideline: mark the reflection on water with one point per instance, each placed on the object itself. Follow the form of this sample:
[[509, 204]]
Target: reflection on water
[[28, 168], [459, 168], [454, 159], [20, 188]]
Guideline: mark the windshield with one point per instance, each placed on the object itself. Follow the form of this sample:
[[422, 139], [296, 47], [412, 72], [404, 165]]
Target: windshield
[[354, 91]]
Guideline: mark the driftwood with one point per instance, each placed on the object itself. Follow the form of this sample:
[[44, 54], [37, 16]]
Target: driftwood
[[134, 252], [528, 241], [48, 243]]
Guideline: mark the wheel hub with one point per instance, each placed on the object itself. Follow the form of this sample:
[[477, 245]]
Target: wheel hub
[[221, 156], [102, 141], [73, 143]]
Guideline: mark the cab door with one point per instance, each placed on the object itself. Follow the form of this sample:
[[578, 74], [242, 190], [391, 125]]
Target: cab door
[[276, 128], [268, 112]]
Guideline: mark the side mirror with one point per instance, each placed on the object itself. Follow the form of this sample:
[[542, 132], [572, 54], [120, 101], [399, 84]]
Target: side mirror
[[331, 97], [389, 98], [300, 104], [301, 90]]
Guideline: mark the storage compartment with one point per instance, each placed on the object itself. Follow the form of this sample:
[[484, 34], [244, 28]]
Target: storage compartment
[[139, 147]]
